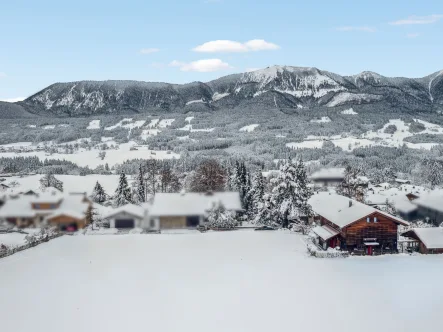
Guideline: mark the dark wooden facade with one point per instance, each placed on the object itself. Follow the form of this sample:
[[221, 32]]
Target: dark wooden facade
[[379, 229], [421, 246]]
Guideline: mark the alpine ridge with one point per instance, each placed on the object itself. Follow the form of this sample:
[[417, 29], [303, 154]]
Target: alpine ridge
[[282, 87]]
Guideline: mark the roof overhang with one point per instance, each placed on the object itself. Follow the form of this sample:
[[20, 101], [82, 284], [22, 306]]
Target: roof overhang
[[325, 232]]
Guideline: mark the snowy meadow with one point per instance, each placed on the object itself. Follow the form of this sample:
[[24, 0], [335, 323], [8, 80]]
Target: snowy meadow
[[217, 281]]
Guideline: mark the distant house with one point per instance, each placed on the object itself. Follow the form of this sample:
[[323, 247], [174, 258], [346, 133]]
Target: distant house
[[67, 212], [328, 177], [188, 210], [430, 207], [354, 226], [402, 181], [3, 187], [426, 240], [128, 216]]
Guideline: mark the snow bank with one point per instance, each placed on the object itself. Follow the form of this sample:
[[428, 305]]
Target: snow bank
[[249, 128], [94, 124]]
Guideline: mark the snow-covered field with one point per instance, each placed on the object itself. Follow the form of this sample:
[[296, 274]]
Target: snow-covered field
[[71, 183], [249, 128], [224, 281], [90, 157], [373, 138], [12, 239]]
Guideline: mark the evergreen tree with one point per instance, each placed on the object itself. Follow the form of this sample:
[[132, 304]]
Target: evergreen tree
[[351, 185], [90, 216], [267, 213], [49, 180], [291, 193], [140, 192], [98, 194], [123, 192], [256, 193], [220, 218]]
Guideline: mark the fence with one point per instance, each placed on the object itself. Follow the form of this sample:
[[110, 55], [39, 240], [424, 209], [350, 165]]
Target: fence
[[11, 251]]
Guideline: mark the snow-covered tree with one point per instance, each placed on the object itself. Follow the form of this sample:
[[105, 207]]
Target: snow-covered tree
[[220, 218], [98, 194], [140, 189], [433, 171], [256, 193], [123, 192], [152, 170], [267, 213], [90, 216], [169, 182], [351, 185], [209, 176], [291, 193], [50, 181]]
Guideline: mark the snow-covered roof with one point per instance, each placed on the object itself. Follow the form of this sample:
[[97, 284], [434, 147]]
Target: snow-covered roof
[[325, 232], [432, 200], [432, 237], [328, 173], [72, 205], [190, 204], [402, 181], [342, 210], [132, 209]]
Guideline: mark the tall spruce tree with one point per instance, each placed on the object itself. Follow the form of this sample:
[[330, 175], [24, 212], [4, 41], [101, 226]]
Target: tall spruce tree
[[98, 194], [140, 193], [290, 193], [123, 192], [256, 193]]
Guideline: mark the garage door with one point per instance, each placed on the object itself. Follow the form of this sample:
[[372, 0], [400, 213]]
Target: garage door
[[172, 222], [124, 223]]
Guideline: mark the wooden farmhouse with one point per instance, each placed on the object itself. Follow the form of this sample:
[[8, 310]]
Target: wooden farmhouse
[[354, 226], [425, 240]]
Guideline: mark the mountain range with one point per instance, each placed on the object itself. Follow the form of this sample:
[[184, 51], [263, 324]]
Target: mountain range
[[282, 87]]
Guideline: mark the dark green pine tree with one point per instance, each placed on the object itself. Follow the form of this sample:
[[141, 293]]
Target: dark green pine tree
[[123, 192]]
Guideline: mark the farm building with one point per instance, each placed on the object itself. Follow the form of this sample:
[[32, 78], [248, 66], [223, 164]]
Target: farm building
[[354, 226], [189, 210]]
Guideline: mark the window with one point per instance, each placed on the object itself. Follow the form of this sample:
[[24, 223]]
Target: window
[[375, 219], [152, 223], [368, 219]]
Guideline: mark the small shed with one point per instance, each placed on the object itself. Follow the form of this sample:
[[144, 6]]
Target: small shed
[[430, 240]]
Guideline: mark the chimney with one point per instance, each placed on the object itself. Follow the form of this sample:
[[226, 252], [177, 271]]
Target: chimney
[[350, 203]]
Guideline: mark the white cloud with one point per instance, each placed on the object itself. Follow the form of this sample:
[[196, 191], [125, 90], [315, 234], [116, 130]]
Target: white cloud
[[13, 100], [2, 74], [352, 28], [230, 46], [418, 20], [149, 50], [202, 66], [412, 35]]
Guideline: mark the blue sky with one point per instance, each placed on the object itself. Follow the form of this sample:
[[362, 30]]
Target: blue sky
[[47, 41]]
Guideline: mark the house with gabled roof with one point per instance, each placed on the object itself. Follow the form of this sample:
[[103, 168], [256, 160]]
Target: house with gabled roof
[[354, 226], [188, 210], [429, 240]]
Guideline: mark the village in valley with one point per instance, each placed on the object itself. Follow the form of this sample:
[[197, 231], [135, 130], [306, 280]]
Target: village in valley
[[337, 212]]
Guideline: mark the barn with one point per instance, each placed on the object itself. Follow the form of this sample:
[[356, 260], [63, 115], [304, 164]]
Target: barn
[[354, 226]]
